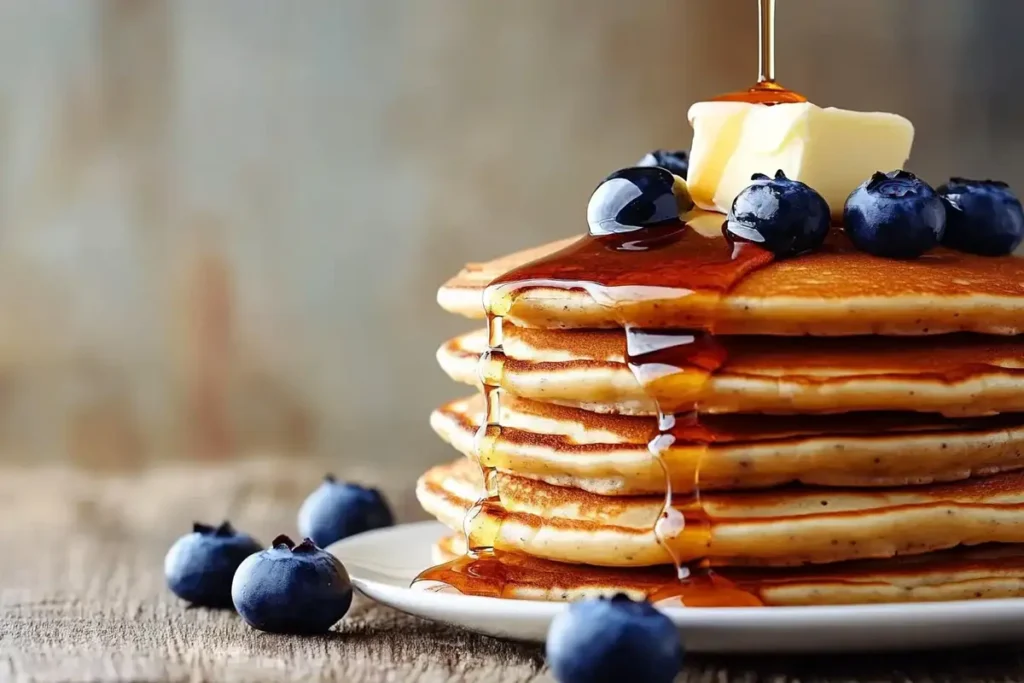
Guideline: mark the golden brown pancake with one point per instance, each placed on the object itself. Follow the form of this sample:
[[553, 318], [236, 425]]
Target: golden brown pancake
[[577, 484], [788, 526], [984, 572], [961, 374], [838, 290], [608, 454]]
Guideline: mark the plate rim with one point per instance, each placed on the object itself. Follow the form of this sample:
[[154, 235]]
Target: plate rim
[[851, 616]]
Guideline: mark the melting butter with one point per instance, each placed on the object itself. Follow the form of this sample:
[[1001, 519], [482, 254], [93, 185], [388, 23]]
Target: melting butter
[[832, 150]]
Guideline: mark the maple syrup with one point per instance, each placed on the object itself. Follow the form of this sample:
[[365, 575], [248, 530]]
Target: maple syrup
[[767, 90], [525, 574], [631, 274], [480, 571], [483, 521]]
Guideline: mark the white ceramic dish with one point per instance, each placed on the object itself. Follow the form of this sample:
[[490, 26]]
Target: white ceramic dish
[[382, 564]]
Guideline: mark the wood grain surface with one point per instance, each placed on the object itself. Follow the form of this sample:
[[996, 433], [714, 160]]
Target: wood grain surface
[[82, 598]]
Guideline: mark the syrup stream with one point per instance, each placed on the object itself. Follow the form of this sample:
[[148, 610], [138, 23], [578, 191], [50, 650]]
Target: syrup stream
[[767, 90], [766, 41]]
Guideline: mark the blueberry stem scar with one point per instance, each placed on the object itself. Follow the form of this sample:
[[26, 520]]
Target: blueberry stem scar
[[201, 528], [307, 546], [283, 540]]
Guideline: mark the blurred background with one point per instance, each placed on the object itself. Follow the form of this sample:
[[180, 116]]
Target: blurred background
[[222, 223]]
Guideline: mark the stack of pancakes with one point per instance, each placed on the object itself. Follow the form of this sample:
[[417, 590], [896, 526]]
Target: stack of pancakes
[[868, 436]]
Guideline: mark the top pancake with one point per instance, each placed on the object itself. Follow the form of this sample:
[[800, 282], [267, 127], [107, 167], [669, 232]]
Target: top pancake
[[835, 291]]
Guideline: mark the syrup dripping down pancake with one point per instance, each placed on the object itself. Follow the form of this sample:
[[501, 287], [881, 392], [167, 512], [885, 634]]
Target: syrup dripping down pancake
[[984, 572], [788, 526], [835, 291], [957, 374], [608, 454]]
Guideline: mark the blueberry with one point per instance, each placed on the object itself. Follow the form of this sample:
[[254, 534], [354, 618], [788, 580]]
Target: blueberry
[[200, 565], [613, 640], [784, 216], [982, 217], [677, 161], [292, 588], [635, 198], [338, 509], [895, 214]]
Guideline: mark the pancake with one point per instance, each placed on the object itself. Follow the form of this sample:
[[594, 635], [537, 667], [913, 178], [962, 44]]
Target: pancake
[[837, 290], [985, 572], [608, 454], [958, 374], [779, 527]]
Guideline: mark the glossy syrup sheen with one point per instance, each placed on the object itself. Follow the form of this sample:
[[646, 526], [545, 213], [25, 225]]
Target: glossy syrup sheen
[[627, 273], [669, 256]]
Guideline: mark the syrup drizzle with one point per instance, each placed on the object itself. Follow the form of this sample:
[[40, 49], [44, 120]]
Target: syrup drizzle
[[482, 523], [767, 90], [633, 275], [482, 571], [631, 283], [674, 367]]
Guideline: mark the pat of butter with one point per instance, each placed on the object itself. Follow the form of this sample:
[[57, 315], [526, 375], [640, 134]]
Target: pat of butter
[[832, 150]]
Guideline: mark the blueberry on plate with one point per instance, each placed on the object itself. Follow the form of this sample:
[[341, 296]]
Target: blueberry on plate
[[635, 198], [292, 588], [677, 161], [613, 640], [786, 217], [982, 217], [199, 566], [895, 215], [339, 509]]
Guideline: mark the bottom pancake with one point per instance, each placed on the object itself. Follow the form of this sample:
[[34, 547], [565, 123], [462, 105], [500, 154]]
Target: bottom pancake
[[788, 526], [983, 572]]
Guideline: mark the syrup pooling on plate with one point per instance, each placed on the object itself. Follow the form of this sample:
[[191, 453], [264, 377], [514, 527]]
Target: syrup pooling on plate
[[527, 575], [633, 274]]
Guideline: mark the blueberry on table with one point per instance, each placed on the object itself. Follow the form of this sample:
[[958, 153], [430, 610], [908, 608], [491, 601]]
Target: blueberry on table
[[199, 566], [983, 217], [339, 509], [895, 215], [786, 217], [290, 588], [614, 640], [677, 161], [635, 198]]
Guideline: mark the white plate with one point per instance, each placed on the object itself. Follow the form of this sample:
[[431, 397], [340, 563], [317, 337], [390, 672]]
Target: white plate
[[382, 564]]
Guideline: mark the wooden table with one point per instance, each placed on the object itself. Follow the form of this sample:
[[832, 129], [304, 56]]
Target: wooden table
[[82, 598]]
